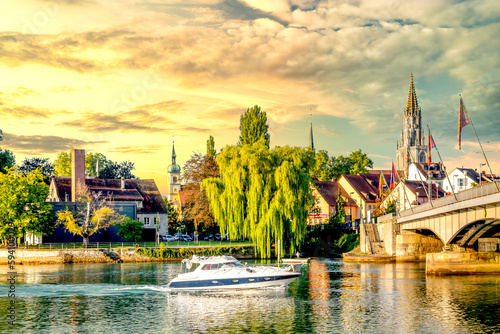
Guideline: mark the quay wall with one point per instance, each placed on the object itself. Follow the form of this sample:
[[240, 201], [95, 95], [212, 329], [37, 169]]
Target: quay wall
[[462, 263], [41, 256], [412, 246]]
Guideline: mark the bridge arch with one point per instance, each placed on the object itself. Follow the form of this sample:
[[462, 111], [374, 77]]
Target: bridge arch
[[469, 234]]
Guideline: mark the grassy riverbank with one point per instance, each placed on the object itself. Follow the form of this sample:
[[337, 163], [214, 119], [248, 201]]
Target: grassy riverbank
[[184, 252]]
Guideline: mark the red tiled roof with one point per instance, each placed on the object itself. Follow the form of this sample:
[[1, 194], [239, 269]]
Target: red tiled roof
[[423, 188], [135, 190], [366, 184]]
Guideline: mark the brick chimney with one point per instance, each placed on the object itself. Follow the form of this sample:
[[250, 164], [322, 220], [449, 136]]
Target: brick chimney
[[77, 172]]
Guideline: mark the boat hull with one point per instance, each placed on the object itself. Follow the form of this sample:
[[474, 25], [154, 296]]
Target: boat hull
[[233, 283]]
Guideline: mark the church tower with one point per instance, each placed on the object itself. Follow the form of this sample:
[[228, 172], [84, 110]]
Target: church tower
[[174, 179], [412, 136]]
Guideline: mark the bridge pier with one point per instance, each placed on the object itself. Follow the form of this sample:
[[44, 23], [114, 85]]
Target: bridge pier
[[412, 246]]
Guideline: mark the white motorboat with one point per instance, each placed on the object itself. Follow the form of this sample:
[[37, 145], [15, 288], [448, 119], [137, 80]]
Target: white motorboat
[[225, 272]]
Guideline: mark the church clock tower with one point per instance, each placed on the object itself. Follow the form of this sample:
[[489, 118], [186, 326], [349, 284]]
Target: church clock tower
[[412, 136], [174, 179]]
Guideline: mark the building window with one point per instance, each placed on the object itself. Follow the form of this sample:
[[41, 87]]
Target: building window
[[460, 182], [155, 220], [146, 220]]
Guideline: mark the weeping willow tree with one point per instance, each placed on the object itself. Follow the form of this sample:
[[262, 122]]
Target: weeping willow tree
[[262, 194]]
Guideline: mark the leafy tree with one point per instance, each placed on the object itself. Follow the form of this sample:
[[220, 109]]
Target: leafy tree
[[7, 160], [30, 165], [391, 207], [339, 209], [211, 147], [253, 127], [357, 162], [22, 204], [62, 164], [130, 229], [93, 161], [322, 166], [198, 168], [90, 216], [114, 170], [173, 215], [262, 194]]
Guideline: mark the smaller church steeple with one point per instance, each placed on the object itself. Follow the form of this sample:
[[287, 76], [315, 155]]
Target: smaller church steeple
[[311, 138], [173, 154]]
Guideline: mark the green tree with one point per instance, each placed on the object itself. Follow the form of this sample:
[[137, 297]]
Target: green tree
[[94, 163], [391, 207], [107, 169], [323, 169], [22, 204], [7, 160], [91, 215], [211, 147], [62, 164], [262, 194], [130, 229], [174, 221], [339, 209], [357, 162], [253, 127], [32, 164]]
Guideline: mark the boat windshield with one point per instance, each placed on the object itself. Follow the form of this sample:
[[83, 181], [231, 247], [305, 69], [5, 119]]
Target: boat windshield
[[215, 266]]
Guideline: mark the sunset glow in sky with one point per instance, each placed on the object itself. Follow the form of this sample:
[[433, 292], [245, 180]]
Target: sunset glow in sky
[[123, 77]]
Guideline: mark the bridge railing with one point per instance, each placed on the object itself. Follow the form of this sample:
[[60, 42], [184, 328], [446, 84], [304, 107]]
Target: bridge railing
[[476, 192]]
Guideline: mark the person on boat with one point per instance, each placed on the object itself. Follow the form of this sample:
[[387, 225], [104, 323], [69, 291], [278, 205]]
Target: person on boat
[[298, 254]]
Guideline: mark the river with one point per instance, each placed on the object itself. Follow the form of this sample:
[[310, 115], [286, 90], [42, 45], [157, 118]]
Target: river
[[330, 297]]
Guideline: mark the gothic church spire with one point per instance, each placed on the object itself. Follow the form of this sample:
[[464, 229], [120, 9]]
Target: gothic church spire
[[411, 102]]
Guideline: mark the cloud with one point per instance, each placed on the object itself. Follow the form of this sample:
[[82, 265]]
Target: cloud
[[29, 111], [143, 149], [131, 121], [152, 117], [38, 144], [63, 89]]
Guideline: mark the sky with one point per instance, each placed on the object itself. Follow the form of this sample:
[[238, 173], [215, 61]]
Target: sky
[[126, 77]]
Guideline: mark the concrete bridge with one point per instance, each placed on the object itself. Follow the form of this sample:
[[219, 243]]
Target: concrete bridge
[[473, 214]]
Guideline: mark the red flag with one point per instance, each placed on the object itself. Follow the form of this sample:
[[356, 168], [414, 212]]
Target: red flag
[[393, 177], [463, 120], [381, 184], [431, 145]]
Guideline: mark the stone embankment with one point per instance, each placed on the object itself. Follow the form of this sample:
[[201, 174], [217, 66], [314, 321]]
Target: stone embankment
[[462, 263], [74, 256], [40, 256]]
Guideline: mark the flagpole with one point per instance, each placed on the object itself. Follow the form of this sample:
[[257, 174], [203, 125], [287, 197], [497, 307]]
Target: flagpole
[[445, 172], [481, 146]]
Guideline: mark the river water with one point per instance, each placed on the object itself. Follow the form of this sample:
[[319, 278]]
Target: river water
[[330, 297]]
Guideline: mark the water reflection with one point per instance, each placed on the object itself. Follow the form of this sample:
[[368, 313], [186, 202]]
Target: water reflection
[[331, 297]]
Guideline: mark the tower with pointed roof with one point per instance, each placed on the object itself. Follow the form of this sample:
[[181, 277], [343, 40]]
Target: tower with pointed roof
[[412, 136], [174, 179], [311, 139]]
